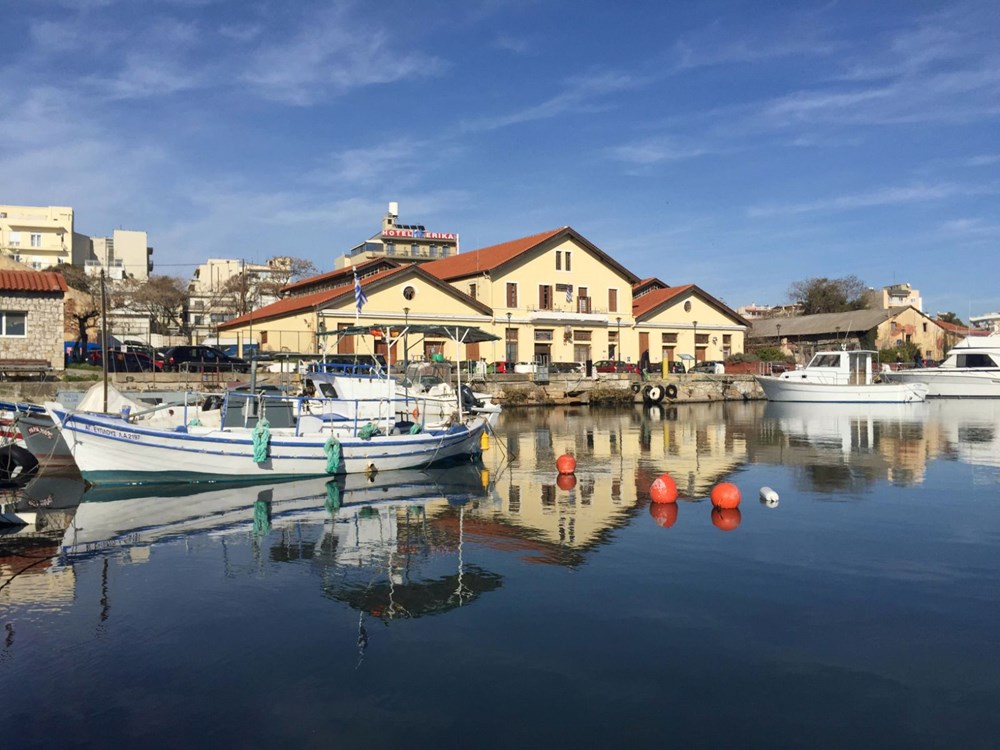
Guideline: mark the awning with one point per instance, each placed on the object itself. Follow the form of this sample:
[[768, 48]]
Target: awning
[[461, 334]]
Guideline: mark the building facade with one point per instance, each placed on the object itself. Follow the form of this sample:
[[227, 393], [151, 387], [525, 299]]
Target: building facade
[[37, 236], [410, 243], [126, 254], [223, 288], [32, 316], [901, 295]]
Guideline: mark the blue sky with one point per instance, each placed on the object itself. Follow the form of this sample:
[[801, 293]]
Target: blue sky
[[740, 146]]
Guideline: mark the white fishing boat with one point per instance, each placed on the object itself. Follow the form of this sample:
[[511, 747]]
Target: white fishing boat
[[261, 437], [971, 370], [837, 377]]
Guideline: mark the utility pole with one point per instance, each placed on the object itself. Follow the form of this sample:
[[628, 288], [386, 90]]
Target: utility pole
[[104, 339]]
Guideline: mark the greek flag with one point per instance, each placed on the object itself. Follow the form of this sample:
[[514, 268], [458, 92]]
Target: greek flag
[[359, 293], [569, 292]]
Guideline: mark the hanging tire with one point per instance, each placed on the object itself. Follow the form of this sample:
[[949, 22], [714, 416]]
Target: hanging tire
[[16, 463], [656, 394], [636, 387], [645, 393], [671, 391]]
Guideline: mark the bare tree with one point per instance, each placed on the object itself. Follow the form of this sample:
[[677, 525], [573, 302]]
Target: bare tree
[[163, 298], [822, 295], [83, 303]]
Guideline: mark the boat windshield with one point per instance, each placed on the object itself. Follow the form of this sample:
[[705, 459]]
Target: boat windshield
[[825, 360], [428, 374], [975, 360]]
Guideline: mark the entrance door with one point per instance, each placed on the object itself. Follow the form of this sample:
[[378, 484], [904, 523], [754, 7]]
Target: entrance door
[[581, 352], [543, 354]]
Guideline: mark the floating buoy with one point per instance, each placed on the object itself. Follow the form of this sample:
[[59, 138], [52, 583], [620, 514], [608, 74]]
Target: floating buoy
[[726, 519], [484, 441], [768, 497], [725, 495], [664, 514], [484, 477], [566, 482], [663, 489], [566, 464]]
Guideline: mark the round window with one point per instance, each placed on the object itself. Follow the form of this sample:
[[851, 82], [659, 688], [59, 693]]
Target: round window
[[687, 306], [409, 292]]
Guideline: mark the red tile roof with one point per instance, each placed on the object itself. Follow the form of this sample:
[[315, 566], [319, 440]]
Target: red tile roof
[[344, 274], [32, 281], [657, 297], [961, 330], [487, 258]]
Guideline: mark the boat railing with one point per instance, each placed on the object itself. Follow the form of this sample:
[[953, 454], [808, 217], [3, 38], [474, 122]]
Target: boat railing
[[244, 410], [345, 368]]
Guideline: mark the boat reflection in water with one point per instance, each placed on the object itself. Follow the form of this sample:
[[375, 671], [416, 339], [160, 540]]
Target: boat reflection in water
[[841, 446], [376, 540]]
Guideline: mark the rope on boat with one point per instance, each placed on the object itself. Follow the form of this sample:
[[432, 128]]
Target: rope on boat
[[416, 429], [331, 448], [261, 440], [368, 431]]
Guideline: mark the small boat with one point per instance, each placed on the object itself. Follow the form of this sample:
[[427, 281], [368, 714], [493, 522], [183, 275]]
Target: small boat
[[260, 437], [839, 377], [971, 370]]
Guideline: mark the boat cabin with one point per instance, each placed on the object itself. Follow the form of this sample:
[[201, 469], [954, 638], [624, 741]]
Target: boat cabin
[[857, 367]]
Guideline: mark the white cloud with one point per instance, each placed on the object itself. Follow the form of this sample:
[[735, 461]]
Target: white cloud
[[889, 196]]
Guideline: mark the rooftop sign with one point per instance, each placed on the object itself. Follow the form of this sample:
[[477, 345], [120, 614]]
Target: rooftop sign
[[420, 234]]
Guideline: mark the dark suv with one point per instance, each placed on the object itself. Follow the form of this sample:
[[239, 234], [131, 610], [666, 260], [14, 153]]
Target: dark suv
[[201, 359]]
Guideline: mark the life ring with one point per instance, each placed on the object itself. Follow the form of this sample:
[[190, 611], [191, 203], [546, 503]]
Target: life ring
[[636, 387], [16, 463], [655, 394], [671, 391]]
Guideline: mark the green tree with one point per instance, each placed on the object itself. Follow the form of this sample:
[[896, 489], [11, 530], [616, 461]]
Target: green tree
[[950, 317], [823, 295]]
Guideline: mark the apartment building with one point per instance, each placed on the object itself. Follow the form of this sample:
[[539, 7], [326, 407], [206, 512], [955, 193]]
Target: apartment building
[[124, 255], [37, 236], [223, 288]]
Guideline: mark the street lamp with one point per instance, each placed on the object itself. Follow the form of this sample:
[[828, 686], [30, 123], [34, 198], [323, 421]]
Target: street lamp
[[695, 324], [506, 341], [778, 326]]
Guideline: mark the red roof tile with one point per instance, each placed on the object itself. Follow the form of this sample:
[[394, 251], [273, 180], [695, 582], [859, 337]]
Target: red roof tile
[[961, 330], [344, 274], [32, 281], [487, 258], [657, 297], [290, 305]]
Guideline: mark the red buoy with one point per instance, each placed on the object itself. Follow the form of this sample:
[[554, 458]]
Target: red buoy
[[664, 514], [566, 464], [663, 489], [725, 495], [566, 482], [726, 519]]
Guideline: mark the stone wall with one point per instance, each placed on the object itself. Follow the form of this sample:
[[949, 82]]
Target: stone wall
[[44, 339]]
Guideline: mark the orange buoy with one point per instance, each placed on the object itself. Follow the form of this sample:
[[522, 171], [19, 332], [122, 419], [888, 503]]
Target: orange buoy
[[664, 514], [566, 464], [663, 489], [725, 495], [726, 519], [566, 482]]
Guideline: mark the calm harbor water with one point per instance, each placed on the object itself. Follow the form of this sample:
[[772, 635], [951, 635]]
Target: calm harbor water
[[509, 607]]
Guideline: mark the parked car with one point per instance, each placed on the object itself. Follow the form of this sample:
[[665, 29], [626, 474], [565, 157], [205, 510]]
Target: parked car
[[565, 367], [615, 365], [710, 368], [676, 367], [202, 359], [119, 361]]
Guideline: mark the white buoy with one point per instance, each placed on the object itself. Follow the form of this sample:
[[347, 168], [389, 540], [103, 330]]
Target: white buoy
[[768, 497]]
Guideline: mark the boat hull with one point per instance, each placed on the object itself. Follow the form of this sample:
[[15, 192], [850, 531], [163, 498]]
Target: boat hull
[[955, 384], [781, 389], [110, 450]]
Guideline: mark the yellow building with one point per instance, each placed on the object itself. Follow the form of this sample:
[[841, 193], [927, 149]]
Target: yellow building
[[409, 243], [38, 236], [685, 322], [549, 297]]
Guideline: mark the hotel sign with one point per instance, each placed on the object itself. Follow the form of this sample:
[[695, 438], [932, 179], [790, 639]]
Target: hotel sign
[[420, 234]]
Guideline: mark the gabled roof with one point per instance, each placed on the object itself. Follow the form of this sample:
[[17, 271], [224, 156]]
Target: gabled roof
[[961, 330], [331, 297], [341, 274], [653, 302], [32, 281], [649, 283], [492, 258], [854, 321]]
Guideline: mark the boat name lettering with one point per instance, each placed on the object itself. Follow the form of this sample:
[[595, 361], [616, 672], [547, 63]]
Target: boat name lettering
[[34, 430], [114, 433]]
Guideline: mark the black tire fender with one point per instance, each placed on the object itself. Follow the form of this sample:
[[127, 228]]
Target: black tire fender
[[656, 394], [671, 391], [14, 457]]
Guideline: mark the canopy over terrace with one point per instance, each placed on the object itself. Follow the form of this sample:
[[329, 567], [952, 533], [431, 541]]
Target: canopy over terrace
[[456, 333]]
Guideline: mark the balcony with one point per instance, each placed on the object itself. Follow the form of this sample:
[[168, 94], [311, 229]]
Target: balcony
[[565, 313]]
